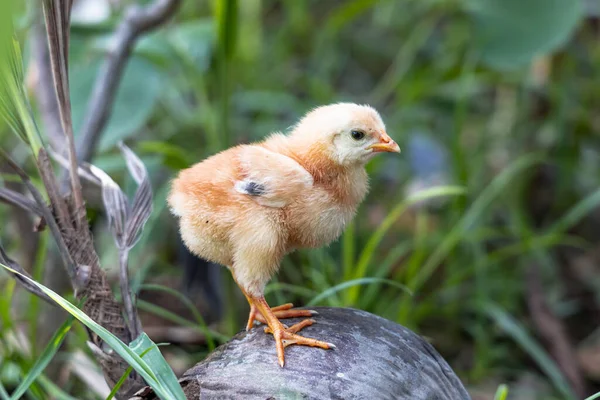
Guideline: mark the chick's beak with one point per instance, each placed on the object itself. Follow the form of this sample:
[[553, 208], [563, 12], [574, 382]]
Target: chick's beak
[[385, 144]]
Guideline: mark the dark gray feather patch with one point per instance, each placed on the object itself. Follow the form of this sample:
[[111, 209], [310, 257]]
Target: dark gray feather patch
[[254, 189]]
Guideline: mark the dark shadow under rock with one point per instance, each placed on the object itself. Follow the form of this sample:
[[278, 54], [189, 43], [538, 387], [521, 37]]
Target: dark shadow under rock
[[374, 359]]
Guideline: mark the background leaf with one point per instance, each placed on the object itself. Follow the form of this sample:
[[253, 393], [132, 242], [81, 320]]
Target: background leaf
[[511, 33], [136, 98]]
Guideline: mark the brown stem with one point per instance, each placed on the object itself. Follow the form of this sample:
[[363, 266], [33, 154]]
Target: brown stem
[[57, 15]]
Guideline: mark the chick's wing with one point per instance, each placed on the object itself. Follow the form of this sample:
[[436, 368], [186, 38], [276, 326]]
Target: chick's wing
[[271, 179]]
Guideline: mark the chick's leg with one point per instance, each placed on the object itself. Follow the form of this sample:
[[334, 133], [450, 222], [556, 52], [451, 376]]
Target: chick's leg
[[258, 252], [284, 336], [281, 312]]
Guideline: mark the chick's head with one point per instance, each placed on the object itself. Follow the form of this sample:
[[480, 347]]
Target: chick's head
[[348, 133]]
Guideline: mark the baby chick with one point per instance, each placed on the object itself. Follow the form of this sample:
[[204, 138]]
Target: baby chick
[[250, 205]]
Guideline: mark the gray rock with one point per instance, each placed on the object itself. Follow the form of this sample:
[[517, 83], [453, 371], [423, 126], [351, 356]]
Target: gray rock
[[374, 359]]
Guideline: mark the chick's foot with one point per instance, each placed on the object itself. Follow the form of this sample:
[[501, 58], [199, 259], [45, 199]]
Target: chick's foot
[[283, 335]]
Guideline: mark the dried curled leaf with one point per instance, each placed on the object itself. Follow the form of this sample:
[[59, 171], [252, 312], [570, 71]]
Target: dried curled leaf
[[136, 167], [6, 260], [142, 200], [115, 204], [19, 200], [126, 220]]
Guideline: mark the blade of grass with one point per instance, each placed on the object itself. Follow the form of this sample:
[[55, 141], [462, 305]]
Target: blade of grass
[[460, 230], [34, 302], [119, 383], [369, 250], [346, 13], [518, 333], [593, 397], [133, 359], [296, 289], [576, 213], [150, 353], [392, 258], [520, 249], [420, 249], [497, 186], [123, 378], [501, 392], [53, 390], [482, 340], [355, 282], [5, 305], [226, 15], [44, 359], [536, 243], [279, 297], [170, 316], [3, 393], [188, 303], [405, 59], [349, 249]]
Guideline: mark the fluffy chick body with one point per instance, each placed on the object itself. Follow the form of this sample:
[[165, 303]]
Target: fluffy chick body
[[224, 224], [248, 206]]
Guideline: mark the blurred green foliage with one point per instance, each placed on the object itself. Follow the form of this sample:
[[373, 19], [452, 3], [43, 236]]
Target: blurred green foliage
[[499, 97]]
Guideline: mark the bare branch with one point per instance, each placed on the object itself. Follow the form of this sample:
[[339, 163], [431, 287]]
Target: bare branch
[[137, 21]]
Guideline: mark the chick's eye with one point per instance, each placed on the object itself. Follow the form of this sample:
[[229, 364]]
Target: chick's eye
[[357, 135]]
